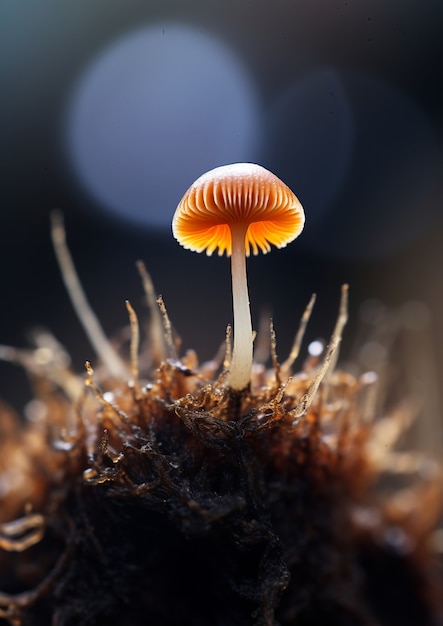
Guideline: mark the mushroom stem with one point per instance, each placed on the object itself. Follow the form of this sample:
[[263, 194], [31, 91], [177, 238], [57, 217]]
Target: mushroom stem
[[241, 364]]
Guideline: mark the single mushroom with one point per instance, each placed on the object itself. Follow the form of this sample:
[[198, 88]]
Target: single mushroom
[[236, 208]]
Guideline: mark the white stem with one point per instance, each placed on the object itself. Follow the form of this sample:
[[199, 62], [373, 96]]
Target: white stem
[[241, 364]]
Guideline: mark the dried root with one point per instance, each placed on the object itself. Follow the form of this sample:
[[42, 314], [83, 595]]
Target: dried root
[[158, 496]]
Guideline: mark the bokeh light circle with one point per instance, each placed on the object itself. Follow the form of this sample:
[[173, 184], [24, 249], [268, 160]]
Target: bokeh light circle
[[309, 139], [392, 196], [155, 110], [363, 159]]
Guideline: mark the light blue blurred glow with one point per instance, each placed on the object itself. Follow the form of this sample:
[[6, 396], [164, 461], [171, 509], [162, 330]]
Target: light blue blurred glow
[[153, 112]]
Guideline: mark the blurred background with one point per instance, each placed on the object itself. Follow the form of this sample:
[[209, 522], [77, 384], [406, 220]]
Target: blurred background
[[110, 110]]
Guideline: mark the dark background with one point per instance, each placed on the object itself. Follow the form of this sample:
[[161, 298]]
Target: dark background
[[349, 108]]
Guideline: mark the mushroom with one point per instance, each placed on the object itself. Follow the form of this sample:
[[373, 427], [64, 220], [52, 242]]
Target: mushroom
[[238, 208]]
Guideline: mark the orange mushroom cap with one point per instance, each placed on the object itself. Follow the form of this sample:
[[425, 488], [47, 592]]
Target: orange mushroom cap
[[243, 194]]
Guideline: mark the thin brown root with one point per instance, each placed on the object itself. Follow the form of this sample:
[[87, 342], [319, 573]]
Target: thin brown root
[[341, 321], [387, 431], [307, 398], [22, 533], [10, 603], [275, 363], [53, 357], [210, 367], [167, 328], [85, 314], [228, 343], [135, 342], [369, 384], [156, 335], [330, 358], [295, 350], [24, 358], [274, 406], [45, 361], [12, 616], [89, 382]]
